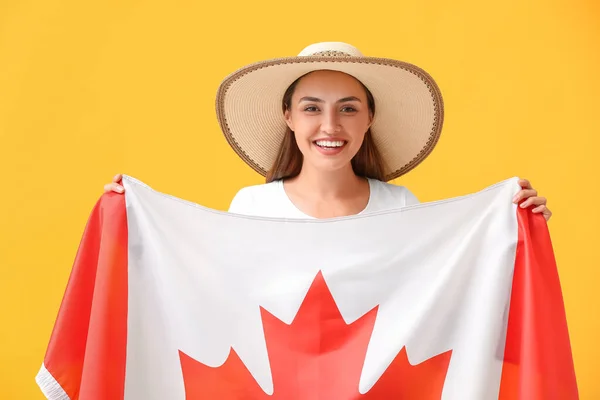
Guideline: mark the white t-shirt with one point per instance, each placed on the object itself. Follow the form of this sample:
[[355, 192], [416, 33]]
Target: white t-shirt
[[271, 200]]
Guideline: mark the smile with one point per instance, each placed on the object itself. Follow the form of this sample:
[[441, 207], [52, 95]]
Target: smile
[[330, 147], [330, 143]]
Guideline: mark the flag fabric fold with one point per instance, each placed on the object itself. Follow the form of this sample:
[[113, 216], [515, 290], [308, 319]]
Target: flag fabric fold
[[85, 358], [455, 299]]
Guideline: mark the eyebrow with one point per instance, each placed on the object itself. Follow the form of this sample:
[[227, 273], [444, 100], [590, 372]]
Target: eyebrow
[[317, 100]]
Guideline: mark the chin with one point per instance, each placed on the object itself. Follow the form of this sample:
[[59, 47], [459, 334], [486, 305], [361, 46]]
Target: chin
[[330, 166]]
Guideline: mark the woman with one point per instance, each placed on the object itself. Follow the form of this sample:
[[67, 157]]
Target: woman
[[328, 129]]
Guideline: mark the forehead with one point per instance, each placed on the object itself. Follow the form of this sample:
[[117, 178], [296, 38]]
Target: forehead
[[329, 82]]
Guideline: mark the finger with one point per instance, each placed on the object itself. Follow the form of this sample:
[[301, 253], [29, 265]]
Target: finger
[[114, 187], [117, 178], [534, 201], [525, 184], [544, 210], [523, 194]]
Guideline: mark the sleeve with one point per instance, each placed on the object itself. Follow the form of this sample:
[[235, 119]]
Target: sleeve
[[241, 202], [409, 198]]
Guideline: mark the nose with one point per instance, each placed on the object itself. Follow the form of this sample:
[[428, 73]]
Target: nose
[[330, 124]]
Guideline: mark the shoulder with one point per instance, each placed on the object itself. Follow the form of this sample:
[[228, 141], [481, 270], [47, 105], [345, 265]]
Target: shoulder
[[387, 195], [250, 198]]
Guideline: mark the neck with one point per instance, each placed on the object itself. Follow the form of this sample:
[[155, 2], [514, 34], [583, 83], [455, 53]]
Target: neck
[[329, 184]]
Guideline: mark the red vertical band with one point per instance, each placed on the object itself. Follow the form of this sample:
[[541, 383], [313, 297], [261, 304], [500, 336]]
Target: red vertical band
[[537, 360], [87, 350]]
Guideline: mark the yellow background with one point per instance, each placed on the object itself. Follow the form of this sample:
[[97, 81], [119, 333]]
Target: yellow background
[[89, 89]]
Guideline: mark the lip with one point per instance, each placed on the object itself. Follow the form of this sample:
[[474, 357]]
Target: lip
[[331, 139], [330, 151]]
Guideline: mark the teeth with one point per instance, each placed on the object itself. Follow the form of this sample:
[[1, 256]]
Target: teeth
[[329, 143]]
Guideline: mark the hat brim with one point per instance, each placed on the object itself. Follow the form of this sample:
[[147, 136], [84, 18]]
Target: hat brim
[[408, 118]]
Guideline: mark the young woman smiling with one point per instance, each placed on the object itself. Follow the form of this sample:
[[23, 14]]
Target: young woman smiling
[[328, 129]]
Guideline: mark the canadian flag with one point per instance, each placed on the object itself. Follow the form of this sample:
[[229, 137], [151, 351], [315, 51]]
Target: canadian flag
[[454, 299]]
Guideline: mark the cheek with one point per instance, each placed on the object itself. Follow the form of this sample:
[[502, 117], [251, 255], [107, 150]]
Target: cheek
[[302, 134], [304, 128], [356, 129]]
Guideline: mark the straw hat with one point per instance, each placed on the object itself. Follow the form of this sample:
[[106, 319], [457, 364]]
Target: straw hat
[[408, 105]]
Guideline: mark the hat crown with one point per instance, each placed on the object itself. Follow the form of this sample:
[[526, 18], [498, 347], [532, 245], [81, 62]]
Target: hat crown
[[330, 49]]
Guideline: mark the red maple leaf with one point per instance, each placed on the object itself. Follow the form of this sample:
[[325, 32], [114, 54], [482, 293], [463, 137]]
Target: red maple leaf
[[318, 356]]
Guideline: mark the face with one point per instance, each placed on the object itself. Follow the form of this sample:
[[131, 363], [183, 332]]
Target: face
[[329, 115]]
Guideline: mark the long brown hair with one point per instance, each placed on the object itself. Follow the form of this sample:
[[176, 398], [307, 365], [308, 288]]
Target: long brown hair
[[366, 163]]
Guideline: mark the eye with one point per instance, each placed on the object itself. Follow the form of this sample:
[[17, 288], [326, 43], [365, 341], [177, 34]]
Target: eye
[[311, 109], [348, 109]]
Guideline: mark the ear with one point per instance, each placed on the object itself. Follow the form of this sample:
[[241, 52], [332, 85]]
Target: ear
[[371, 119], [288, 119]]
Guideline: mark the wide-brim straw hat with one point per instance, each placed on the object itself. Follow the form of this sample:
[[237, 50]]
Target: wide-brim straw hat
[[409, 109]]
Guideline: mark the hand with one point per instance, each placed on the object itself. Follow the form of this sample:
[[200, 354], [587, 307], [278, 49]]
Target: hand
[[115, 185], [530, 195]]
